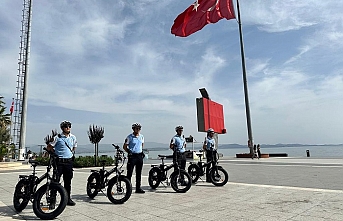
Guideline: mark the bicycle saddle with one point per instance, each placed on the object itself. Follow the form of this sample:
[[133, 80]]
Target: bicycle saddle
[[34, 162]]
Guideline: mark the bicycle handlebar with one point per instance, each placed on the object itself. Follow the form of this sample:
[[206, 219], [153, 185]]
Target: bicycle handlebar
[[118, 149], [50, 151], [116, 146]]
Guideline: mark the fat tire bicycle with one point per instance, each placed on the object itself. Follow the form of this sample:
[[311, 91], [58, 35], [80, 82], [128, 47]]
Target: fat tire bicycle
[[50, 199], [217, 174], [119, 187], [179, 180]]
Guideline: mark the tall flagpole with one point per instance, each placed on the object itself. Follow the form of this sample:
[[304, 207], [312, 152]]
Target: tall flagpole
[[245, 82]]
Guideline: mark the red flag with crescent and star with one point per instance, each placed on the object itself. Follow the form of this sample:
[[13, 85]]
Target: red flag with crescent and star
[[12, 107], [201, 13]]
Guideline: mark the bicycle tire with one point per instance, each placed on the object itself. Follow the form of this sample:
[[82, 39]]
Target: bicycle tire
[[154, 178], [216, 178], [117, 183], [93, 183], [40, 209], [180, 181], [193, 171], [21, 196]]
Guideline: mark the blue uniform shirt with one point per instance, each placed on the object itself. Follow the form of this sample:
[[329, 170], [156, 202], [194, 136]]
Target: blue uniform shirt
[[135, 144], [61, 149], [210, 143], [179, 143]]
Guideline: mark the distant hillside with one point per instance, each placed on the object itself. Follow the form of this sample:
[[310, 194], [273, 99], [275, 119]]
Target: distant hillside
[[228, 146], [88, 148]]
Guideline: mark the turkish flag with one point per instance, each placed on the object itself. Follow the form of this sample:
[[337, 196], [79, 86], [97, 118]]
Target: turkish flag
[[201, 13], [11, 108]]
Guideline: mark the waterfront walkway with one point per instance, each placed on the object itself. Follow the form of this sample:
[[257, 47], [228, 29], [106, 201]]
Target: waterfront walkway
[[266, 189]]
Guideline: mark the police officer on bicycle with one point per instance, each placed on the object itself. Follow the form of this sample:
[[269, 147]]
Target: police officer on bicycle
[[64, 145], [133, 145], [178, 145], [209, 147]]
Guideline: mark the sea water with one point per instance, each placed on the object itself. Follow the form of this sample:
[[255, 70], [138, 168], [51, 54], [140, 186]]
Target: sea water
[[315, 151]]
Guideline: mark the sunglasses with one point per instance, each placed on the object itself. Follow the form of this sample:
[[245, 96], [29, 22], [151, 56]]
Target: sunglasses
[[66, 126]]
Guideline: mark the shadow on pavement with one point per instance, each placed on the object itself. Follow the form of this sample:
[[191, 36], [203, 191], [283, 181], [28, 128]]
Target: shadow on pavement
[[9, 211], [85, 198]]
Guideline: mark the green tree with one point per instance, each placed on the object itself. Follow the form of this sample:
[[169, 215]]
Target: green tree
[[95, 135], [5, 134], [5, 119]]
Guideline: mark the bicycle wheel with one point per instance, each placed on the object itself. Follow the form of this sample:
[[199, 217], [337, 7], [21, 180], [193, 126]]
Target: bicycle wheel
[[119, 190], [93, 183], [219, 176], [50, 201], [180, 181], [154, 177], [193, 171], [21, 196]]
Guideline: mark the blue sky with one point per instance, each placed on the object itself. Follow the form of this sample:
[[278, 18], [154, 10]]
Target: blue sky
[[113, 63]]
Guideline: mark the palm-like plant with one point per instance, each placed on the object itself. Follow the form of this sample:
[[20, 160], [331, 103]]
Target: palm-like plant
[[5, 119], [95, 135], [5, 133], [50, 137]]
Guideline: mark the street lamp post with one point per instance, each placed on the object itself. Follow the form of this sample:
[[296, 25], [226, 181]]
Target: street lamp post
[[41, 149]]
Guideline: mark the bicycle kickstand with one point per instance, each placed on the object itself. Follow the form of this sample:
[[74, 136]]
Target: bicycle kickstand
[[103, 192]]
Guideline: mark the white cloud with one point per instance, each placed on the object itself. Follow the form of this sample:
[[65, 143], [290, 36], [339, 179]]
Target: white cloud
[[280, 16]]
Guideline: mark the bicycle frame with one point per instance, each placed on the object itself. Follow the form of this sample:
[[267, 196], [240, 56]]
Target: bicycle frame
[[34, 180], [203, 165], [165, 168], [104, 174]]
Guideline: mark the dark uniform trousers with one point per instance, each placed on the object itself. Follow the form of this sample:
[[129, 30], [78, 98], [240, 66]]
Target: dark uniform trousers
[[135, 160], [65, 169], [180, 158], [209, 157]]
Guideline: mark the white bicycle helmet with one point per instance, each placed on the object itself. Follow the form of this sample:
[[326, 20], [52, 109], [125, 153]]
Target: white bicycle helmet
[[178, 128], [65, 123], [136, 125], [210, 130]]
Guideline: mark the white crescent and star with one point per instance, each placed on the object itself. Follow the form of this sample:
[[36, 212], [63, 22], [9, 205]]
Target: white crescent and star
[[196, 5], [213, 7]]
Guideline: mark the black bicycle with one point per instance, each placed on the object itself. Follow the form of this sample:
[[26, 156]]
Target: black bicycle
[[217, 174], [50, 199], [180, 180], [119, 187]]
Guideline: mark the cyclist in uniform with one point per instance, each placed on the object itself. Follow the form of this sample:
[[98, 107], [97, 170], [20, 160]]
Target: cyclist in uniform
[[133, 145], [64, 145], [178, 145], [209, 147]]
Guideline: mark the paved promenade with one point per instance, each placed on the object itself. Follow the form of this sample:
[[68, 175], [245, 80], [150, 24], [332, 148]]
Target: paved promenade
[[266, 189]]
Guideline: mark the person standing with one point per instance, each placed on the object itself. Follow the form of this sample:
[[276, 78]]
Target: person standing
[[178, 145], [133, 145], [64, 145], [259, 150], [255, 155], [209, 147]]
